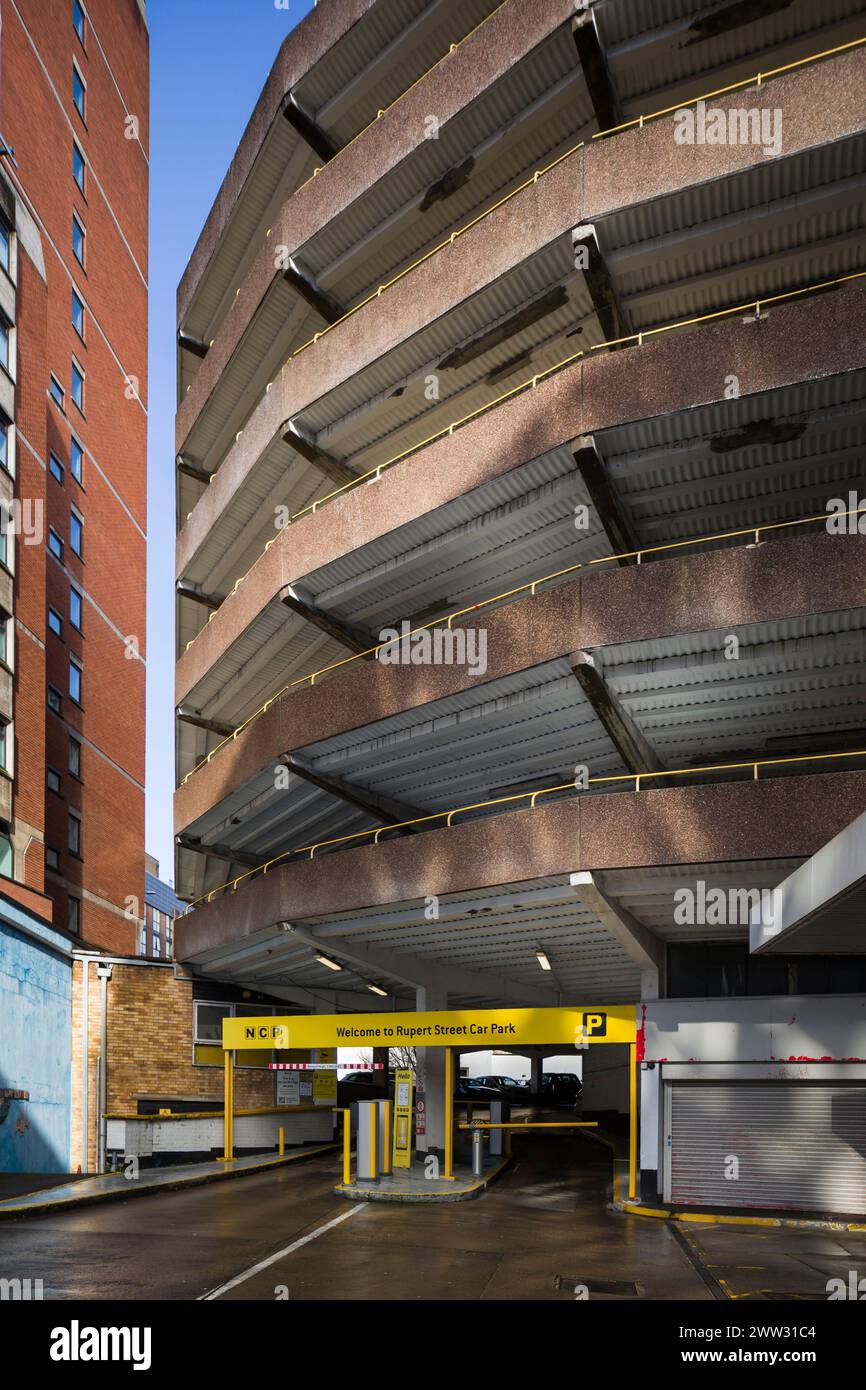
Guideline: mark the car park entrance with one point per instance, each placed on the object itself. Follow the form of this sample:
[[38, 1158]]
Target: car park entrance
[[294, 1037]]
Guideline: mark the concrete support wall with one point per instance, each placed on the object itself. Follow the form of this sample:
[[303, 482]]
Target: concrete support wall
[[431, 1076], [605, 1079]]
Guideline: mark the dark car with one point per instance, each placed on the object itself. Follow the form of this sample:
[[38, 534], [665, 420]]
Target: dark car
[[470, 1088], [560, 1088], [508, 1088]]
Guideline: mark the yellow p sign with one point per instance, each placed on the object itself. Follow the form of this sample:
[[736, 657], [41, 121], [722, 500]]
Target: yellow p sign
[[594, 1025]]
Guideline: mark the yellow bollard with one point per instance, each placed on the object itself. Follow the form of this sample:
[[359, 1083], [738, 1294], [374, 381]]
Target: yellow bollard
[[347, 1148], [282, 1143]]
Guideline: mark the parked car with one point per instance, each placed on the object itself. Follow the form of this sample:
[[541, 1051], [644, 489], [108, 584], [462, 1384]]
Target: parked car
[[470, 1088], [508, 1088], [560, 1088]]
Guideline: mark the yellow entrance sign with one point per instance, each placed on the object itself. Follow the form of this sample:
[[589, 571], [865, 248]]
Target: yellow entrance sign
[[578, 1026]]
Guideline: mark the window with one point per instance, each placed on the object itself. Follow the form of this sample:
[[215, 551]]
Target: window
[[75, 833], [168, 941], [55, 700], [78, 238], [5, 248], [55, 622], [5, 447], [78, 20], [7, 858], [5, 745], [52, 777], [75, 609], [75, 757], [55, 544], [79, 164], [79, 90], [77, 386], [142, 940], [55, 467], [78, 314], [5, 339], [52, 858], [4, 640], [73, 920], [75, 680], [208, 1022], [76, 459], [58, 395], [76, 532]]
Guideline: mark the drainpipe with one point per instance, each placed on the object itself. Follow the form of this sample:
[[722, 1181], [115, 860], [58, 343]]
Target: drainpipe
[[103, 972], [85, 1060]]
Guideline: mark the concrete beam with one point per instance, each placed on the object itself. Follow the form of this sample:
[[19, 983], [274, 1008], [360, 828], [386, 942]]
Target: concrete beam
[[323, 145], [616, 526], [602, 291], [231, 856], [782, 817], [605, 102], [187, 590], [213, 726], [339, 473], [194, 345], [383, 808], [640, 944], [325, 305], [621, 729], [348, 637], [192, 470]]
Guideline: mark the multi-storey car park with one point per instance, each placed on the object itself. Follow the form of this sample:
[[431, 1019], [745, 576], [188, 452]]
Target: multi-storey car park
[[485, 337]]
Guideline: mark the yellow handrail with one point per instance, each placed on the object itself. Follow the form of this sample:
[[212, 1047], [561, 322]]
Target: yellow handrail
[[530, 586], [758, 78], [638, 778]]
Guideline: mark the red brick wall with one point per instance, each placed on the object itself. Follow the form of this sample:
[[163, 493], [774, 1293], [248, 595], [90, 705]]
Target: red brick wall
[[38, 118]]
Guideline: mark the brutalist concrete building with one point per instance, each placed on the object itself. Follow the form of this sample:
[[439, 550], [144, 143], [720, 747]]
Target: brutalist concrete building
[[522, 404]]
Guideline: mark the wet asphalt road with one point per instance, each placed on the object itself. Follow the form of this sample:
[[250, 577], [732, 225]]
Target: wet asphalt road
[[541, 1230]]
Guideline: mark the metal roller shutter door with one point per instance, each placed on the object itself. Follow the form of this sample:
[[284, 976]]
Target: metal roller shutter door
[[800, 1145]]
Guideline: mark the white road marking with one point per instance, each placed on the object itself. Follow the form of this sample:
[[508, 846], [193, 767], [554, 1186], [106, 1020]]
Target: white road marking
[[272, 1259]]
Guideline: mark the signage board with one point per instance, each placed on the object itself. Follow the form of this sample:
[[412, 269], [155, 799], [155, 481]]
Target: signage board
[[579, 1026]]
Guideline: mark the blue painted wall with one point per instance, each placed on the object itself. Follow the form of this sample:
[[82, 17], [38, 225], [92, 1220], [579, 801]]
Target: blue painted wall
[[35, 1043]]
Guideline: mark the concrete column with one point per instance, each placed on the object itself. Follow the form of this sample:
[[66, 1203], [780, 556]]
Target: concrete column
[[431, 1075], [380, 1078], [650, 1132], [536, 1071]]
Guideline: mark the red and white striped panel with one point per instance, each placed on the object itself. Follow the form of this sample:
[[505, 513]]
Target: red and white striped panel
[[326, 1066]]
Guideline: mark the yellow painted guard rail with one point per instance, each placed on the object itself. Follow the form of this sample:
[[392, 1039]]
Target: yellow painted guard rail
[[752, 765], [754, 533]]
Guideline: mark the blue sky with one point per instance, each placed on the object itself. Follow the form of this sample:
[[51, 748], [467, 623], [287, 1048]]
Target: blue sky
[[209, 60]]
